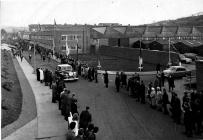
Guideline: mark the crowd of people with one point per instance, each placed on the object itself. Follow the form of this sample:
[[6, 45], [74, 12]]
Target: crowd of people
[[80, 125], [188, 111]]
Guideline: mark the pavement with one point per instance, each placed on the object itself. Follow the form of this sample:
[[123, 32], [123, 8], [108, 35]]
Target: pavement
[[49, 123], [28, 110]]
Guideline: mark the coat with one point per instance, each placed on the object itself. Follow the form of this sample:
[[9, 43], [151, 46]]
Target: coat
[[41, 74], [85, 118], [106, 79]]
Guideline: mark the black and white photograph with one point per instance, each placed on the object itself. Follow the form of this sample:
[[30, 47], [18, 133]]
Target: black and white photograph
[[101, 69]]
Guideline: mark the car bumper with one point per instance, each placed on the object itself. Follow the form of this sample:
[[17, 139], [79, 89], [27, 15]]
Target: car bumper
[[71, 79]]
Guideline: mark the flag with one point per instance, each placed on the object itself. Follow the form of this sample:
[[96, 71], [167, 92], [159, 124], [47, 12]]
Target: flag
[[67, 49], [39, 27], [54, 22], [140, 59]]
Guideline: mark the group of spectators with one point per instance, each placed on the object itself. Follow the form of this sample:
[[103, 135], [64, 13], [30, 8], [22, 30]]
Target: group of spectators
[[189, 110], [80, 124], [88, 73]]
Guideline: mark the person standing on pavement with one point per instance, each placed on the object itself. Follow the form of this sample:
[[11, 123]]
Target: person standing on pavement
[[106, 78], [80, 135], [117, 82], [142, 92], [85, 118], [165, 101], [171, 83], [153, 98], [41, 75], [60, 87], [54, 92], [71, 134], [74, 108], [159, 98], [162, 79], [177, 110], [187, 115], [95, 76], [158, 67], [67, 104]]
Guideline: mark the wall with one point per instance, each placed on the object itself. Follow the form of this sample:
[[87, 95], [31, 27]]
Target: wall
[[149, 57], [199, 75]]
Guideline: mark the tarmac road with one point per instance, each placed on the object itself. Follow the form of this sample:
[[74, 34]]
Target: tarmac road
[[120, 117]]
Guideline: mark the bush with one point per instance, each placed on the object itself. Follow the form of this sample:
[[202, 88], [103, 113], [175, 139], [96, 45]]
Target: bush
[[7, 85]]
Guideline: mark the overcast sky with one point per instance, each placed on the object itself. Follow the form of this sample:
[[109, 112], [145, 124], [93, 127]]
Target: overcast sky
[[134, 12]]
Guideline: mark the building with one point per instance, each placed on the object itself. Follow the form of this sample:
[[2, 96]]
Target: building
[[60, 37], [87, 38]]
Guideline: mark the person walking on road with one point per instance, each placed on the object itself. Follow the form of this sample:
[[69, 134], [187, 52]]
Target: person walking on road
[[117, 82], [106, 78], [165, 101], [142, 92], [85, 118], [95, 76]]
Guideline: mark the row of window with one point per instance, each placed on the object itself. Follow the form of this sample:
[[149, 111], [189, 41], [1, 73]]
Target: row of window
[[72, 47], [42, 37], [172, 38], [70, 37]]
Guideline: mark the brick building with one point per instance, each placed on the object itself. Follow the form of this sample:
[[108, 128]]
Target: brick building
[[88, 37]]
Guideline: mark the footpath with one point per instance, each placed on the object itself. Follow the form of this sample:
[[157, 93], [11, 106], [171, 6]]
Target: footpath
[[49, 123]]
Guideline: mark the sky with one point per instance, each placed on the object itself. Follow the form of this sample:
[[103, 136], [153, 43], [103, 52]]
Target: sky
[[134, 12]]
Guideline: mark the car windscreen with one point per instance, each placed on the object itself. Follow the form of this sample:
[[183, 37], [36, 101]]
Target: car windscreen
[[66, 68], [172, 68]]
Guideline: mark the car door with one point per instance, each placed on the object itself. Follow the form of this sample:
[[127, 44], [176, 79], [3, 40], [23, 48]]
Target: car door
[[180, 72]]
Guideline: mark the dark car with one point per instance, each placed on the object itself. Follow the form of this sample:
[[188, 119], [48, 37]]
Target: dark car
[[66, 72]]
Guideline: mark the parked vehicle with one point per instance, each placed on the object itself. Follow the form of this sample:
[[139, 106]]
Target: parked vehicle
[[177, 71], [66, 72], [184, 59], [192, 56]]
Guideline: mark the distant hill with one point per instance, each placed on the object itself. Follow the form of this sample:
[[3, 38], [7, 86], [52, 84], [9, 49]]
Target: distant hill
[[194, 20]]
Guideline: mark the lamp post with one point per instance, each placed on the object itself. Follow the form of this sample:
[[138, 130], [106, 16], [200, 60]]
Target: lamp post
[[77, 48], [169, 56], [34, 57]]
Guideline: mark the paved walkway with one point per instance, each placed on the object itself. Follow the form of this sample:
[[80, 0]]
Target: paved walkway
[[28, 110], [49, 124]]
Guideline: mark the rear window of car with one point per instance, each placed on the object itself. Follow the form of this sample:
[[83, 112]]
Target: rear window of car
[[180, 69], [66, 68]]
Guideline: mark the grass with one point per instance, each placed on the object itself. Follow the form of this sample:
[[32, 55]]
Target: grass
[[11, 100]]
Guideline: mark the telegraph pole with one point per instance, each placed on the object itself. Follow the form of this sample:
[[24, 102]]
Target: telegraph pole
[[34, 56], [169, 56]]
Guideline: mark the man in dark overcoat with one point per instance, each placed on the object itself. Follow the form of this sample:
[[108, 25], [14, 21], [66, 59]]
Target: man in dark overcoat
[[85, 118], [106, 78]]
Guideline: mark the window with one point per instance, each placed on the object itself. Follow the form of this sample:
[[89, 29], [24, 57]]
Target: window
[[70, 37], [63, 47], [72, 47], [180, 69], [63, 38]]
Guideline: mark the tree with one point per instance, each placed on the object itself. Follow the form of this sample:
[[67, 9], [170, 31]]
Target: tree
[[3, 34]]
